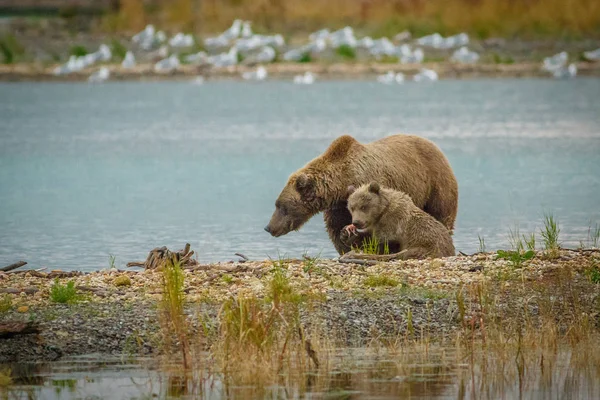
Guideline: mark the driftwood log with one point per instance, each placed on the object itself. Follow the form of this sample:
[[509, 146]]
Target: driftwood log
[[13, 266], [14, 328], [157, 257], [353, 257]]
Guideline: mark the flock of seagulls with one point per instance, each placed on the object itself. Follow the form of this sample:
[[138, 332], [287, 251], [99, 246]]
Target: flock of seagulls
[[557, 66], [239, 45]]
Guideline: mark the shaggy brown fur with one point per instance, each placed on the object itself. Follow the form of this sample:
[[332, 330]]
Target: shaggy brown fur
[[391, 216], [402, 162]]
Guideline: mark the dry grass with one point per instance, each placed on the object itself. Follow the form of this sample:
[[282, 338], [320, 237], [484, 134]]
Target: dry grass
[[482, 18]]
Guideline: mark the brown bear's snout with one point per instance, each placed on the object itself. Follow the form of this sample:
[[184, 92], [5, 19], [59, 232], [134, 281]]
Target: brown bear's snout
[[268, 228]]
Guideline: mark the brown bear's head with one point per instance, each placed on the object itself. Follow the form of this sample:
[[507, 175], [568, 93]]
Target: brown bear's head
[[366, 205], [296, 203]]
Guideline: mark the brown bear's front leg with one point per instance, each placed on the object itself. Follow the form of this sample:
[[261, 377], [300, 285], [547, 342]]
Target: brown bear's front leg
[[336, 218]]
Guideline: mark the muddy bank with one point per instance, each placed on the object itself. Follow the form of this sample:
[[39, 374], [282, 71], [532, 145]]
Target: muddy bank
[[347, 302], [286, 71]]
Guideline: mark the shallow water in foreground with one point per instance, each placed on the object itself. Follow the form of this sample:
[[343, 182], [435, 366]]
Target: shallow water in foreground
[[92, 170], [351, 373]]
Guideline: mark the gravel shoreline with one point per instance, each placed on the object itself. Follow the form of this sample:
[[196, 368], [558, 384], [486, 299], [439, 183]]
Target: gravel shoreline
[[113, 319], [286, 71]]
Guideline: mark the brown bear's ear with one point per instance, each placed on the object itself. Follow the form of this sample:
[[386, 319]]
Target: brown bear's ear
[[305, 185], [351, 189], [374, 187]]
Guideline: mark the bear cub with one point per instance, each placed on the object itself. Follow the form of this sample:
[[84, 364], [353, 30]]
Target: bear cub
[[391, 216]]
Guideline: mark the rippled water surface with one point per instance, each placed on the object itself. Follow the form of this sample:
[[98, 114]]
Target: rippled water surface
[[87, 171]]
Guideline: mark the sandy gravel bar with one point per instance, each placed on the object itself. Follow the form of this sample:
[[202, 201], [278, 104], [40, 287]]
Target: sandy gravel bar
[[286, 71], [347, 300]]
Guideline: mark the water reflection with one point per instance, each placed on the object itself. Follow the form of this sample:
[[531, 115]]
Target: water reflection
[[350, 373]]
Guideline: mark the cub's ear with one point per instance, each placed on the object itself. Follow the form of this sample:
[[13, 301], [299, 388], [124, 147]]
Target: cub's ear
[[374, 187], [351, 189], [305, 185]]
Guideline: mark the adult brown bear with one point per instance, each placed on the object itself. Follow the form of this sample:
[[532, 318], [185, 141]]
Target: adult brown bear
[[408, 163]]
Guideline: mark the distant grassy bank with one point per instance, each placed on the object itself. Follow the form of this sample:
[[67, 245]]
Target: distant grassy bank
[[480, 18]]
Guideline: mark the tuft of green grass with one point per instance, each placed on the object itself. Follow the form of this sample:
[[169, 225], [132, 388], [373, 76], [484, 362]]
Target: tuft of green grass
[[481, 244], [530, 241], [516, 258], [594, 235], [5, 378], [280, 289], [306, 58], [172, 303], [372, 245], [117, 49], [78, 50], [346, 52], [10, 48], [122, 280], [309, 263], [5, 304], [499, 59], [227, 278], [63, 293], [379, 281], [111, 261], [514, 238], [550, 235], [409, 322], [593, 272]]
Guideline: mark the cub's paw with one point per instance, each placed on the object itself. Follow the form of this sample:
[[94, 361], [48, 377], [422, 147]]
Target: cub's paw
[[349, 235]]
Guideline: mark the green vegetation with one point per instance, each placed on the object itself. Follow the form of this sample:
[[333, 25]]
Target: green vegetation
[[118, 50], [226, 278], [5, 378], [78, 50], [530, 241], [10, 49], [346, 52], [173, 319], [306, 58], [309, 263], [63, 293], [550, 236], [122, 280], [380, 280], [5, 303], [593, 271], [594, 235], [499, 59], [516, 258], [111, 261], [372, 245], [481, 244]]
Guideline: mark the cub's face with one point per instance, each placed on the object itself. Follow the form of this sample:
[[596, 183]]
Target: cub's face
[[366, 205]]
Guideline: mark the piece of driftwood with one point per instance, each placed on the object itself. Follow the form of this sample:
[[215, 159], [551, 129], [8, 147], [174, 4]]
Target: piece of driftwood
[[243, 257], [356, 261], [13, 266], [159, 255], [219, 267], [62, 274], [353, 257], [27, 290], [13, 328]]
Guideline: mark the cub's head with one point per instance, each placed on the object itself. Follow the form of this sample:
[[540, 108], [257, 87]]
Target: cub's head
[[366, 205], [296, 203]]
